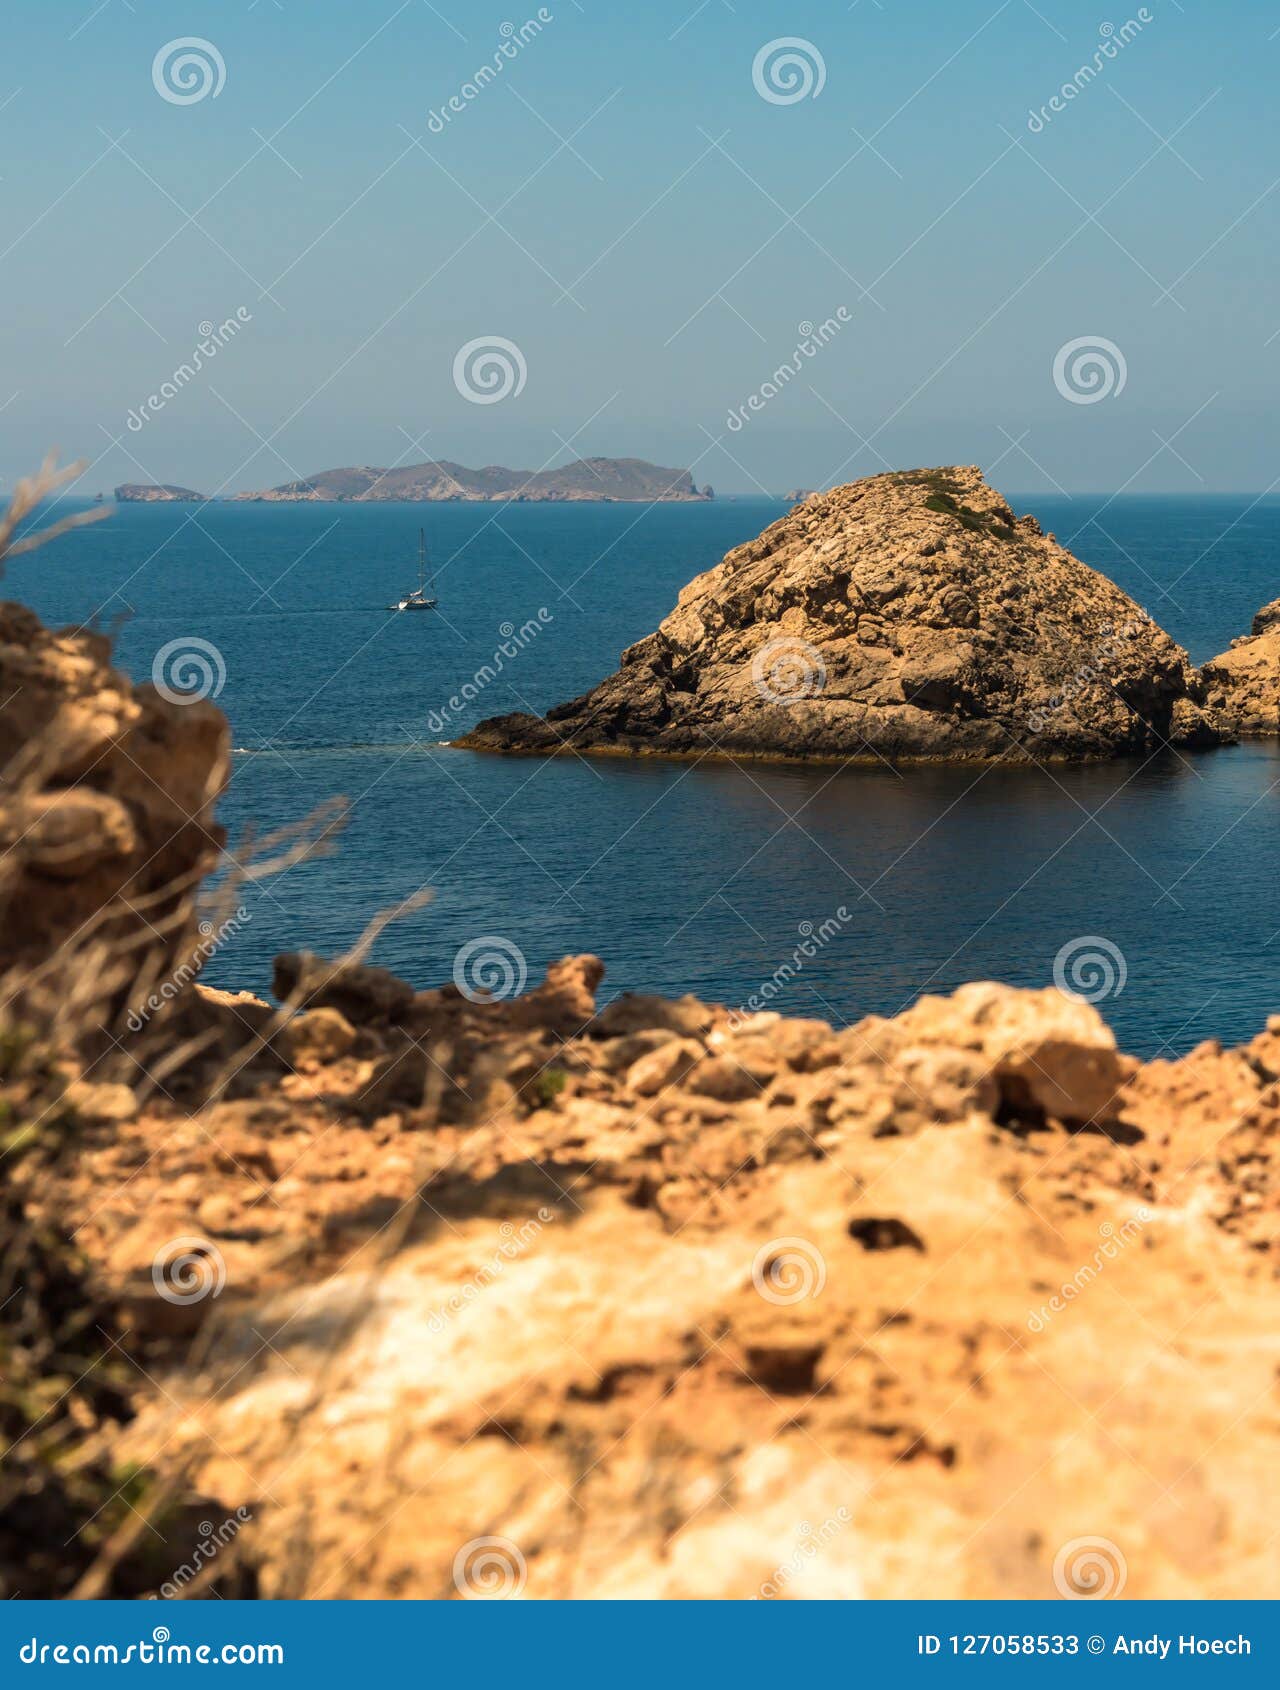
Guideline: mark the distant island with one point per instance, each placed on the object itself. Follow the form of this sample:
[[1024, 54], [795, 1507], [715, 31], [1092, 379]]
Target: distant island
[[153, 493], [615, 480], [612, 479]]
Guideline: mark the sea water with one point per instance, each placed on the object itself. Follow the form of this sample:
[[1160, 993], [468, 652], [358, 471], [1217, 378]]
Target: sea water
[[818, 891]]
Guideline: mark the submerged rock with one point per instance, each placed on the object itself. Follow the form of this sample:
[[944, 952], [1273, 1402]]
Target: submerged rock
[[909, 615]]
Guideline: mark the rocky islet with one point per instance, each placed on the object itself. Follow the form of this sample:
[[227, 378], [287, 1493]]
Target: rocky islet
[[908, 616]]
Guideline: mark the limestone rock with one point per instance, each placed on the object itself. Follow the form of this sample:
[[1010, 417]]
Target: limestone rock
[[1267, 618], [731, 1079], [615, 1056], [907, 616], [103, 1102], [1047, 1053], [566, 1000], [666, 1343], [635, 1012], [1243, 683], [359, 992], [107, 814], [663, 1067], [317, 1035], [68, 834]]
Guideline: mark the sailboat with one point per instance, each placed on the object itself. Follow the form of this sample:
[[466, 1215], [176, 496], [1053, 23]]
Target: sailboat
[[417, 598]]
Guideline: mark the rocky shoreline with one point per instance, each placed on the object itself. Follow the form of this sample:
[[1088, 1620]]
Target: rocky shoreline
[[910, 616]]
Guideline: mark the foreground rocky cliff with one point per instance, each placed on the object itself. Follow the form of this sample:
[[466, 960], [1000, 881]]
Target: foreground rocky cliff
[[106, 829], [530, 1298], [107, 805], [907, 615]]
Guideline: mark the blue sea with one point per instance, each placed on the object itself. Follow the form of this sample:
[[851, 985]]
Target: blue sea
[[688, 877]]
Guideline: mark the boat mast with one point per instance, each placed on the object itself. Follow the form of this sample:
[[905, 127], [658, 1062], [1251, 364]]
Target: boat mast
[[422, 558]]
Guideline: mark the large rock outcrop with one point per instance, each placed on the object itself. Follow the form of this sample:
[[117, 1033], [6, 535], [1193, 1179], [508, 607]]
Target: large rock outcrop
[[519, 1297], [909, 615], [108, 793], [1243, 684]]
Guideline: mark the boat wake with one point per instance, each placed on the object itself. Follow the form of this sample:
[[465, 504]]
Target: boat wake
[[348, 748]]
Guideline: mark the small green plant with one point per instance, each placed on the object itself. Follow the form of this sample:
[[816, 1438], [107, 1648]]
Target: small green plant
[[975, 521], [936, 480], [548, 1085]]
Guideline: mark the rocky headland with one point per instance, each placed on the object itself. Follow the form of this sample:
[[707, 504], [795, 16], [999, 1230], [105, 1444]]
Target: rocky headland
[[1243, 684], [614, 480], [909, 615], [673, 1303]]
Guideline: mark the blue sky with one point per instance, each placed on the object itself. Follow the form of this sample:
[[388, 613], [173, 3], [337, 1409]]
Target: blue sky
[[625, 206]]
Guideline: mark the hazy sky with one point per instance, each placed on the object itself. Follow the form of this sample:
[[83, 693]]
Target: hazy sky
[[647, 204]]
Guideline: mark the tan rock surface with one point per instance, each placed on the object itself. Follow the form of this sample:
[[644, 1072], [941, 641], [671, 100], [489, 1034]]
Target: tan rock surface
[[106, 815], [1244, 681], [907, 1313], [909, 615]]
